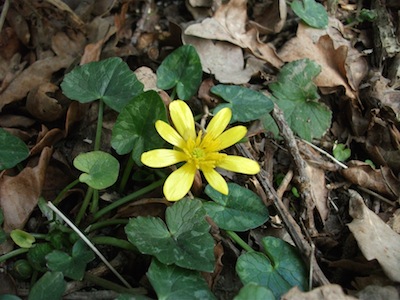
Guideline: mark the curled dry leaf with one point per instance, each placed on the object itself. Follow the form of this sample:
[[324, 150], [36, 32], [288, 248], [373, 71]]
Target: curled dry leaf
[[224, 60], [380, 180], [19, 194], [229, 24], [36, 74], [326, 292], [375, 238]]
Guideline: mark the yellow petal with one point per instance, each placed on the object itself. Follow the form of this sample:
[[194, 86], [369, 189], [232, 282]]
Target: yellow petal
[[215, 180], [229, 138], [168, 133], [219, 122], [239, 164], [182, 118], [161, 158], [179, 182]]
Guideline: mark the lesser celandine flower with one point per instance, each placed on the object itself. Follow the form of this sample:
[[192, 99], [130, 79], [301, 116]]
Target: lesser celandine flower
[[199, 152]]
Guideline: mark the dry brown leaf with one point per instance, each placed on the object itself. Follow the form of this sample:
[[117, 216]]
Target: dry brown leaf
[[146, 76], [378, 292], [269, 16], [319, 190], [338, 67], [379, 180], [326, 292], [36, 74], [375, 238], [224, 60], [19, 194], [229, 24]]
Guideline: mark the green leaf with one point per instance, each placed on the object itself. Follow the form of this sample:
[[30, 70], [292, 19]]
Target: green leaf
[[255, 292], [184, 240], [101, 169], [246, 104], [340, 152], [181, 69], [297, 96], [311, 12], [9, 297], [73, 266], [173, 282], [240, 210], [3, 236], [50, 286], [37, 256], [12, 150], [22, 238], [285, 271], [110, 80], [135, 126]]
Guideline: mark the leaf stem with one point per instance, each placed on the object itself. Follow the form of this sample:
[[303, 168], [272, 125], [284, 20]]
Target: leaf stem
[[112, 241], [99, 127], [94, 207], [128, 198], [106, 223], [13, 253], [173, 93], [127, 172], [108, 285], [84, 206], [60, 196], [239, 240]]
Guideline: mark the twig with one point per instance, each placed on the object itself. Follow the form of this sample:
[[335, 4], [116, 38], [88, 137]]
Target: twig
[[290, 224], [89, 243], [4, 12]]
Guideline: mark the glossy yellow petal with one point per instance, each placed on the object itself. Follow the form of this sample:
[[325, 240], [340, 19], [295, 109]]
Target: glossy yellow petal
[[239, 164], [161, 158], [219, 122], [228, 138], [179, 182], [168, 133], [215, 180], [182, 118]]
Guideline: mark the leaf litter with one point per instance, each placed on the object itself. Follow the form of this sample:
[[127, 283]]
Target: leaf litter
[[236, 45]]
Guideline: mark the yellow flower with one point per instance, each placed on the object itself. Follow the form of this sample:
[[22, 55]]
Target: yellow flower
[[200, 152]]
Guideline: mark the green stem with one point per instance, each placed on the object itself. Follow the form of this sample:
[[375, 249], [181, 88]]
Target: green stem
[[94, 207], [99, 127], [66, 189], [105, 223], [239, 240], [128, 198], [112, 241], [84, 206], [127, 172], [13, 253], [108, 285], [173, 94]]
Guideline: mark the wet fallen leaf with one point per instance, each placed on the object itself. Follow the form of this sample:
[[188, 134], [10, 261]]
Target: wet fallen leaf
[[19, 194], [374, 237], [229, 24]]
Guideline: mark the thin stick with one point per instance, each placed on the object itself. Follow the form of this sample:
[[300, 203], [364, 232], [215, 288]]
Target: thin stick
[[89, 243], [3, 15]]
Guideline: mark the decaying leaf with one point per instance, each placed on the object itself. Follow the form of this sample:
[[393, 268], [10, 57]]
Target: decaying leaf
[[269, 16], [379, 180], [326, 292], [20, 194], [319, 190], [229, 24], [375, 238]]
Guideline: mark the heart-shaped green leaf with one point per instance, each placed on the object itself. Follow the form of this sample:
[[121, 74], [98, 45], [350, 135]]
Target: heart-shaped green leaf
[[297, 96], [279, 270], [73, 266], [255, 292], [184, 240], [246, 104], [110, 80], [101, 169], [50, 286], [12, 150], [181, 69], [240, 210], [172, 282], [340, 152], [37, 256], [135, 129], [311, 12], [22, 238]]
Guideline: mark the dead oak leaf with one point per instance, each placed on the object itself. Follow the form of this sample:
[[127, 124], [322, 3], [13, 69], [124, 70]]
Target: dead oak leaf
[[332, 60], [229, 24], [19, 194]]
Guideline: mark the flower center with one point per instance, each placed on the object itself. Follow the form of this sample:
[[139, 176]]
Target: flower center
[[198, 153]]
